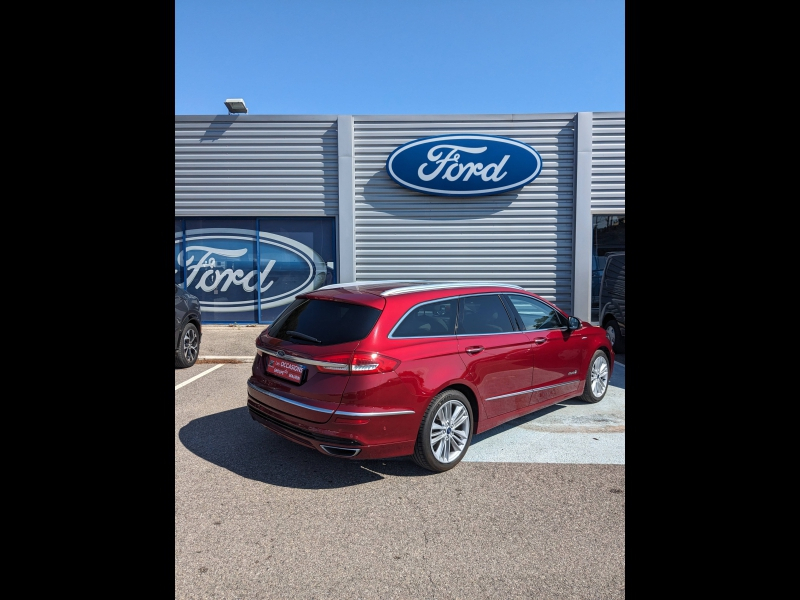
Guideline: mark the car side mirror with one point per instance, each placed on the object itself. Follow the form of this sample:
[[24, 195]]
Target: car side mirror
[[574, 323]]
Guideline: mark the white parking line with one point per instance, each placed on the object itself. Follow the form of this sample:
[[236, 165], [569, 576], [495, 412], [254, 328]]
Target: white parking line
[[180, 385]]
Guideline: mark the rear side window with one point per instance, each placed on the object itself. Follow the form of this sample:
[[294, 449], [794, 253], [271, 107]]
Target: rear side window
[[431, 319], [324, 323], [482, 314], [535, 314]]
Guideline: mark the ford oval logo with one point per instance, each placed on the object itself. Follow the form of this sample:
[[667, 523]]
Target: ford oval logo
[[221, 269], [464, 165]]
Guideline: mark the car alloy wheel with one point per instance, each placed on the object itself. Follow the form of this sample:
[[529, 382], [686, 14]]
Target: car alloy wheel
[[445, 433], [599, 375], [450, 431], [190, 346], [615, 336], [597, 378], [612, 335]]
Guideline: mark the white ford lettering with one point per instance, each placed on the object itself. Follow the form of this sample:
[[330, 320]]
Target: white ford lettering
[[222, 278], [471, 168]]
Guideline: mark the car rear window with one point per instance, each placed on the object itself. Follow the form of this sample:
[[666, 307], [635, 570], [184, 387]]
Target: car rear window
[[325, 321]]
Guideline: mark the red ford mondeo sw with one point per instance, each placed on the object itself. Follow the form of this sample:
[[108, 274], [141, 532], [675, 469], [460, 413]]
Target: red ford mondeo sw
[[386, 369]]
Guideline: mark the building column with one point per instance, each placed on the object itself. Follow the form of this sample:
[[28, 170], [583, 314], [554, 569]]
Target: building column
[[582, 278], [347, 203]]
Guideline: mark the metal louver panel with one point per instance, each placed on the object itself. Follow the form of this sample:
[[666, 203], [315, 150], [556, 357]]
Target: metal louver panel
[[523, 237], [608, 162], [243, 165]]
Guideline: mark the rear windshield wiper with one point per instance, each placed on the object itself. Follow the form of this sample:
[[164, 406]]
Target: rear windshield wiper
[[303, 336]]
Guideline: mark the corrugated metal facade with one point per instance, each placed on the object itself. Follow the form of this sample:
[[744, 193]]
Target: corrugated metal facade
[[608, 162], [242, 165], [524, 237]]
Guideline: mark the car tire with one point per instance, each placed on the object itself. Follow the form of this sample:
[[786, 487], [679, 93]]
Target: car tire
[[615, 336], [445, 433], [597, 376], [188, 347]]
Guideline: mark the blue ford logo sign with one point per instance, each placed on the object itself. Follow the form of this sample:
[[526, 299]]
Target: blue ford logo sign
[[223, 270], [464, 165]]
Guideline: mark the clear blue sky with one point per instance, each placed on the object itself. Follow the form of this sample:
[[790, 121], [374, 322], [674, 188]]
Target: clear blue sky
[[400, 57]]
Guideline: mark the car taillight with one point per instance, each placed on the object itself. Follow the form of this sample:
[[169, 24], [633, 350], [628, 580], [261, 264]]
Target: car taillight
[[358, 363], [338, 363], [372, 362]]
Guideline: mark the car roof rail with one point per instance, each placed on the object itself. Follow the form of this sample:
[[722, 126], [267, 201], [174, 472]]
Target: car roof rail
[[447, 286], [362, 283]]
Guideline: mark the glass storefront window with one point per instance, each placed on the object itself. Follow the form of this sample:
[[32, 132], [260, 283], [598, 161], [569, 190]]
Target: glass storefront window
[[247, 270], [298, 255], [179, 274], [220, 263], [608, 235]]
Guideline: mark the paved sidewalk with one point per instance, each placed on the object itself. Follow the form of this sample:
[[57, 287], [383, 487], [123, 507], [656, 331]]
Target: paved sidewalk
[[229, 343]]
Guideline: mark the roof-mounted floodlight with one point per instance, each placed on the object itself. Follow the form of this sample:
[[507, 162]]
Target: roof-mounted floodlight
[[235, 105]]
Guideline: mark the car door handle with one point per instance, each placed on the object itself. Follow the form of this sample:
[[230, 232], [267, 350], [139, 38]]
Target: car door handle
[[539, 340], [474, 349]]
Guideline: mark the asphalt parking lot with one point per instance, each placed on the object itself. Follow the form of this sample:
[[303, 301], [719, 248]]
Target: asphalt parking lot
[[535, 510]]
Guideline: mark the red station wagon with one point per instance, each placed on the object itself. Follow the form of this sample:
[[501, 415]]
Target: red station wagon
[[388, 369]]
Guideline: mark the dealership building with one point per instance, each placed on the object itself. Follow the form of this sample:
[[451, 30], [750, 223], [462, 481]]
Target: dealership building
[[270, 206]]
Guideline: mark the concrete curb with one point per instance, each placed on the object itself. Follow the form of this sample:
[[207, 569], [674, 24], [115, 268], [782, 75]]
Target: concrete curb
[[224, 359]]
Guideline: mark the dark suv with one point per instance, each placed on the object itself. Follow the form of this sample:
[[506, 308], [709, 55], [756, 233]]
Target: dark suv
[[188, 329], [612, 300]]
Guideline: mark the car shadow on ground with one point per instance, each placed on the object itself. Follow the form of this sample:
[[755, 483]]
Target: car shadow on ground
[[233, 441]]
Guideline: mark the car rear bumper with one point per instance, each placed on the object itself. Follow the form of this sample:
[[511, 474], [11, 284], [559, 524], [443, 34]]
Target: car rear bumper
[[355, 437]]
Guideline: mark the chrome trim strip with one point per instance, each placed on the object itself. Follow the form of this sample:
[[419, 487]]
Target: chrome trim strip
[[447, 286], [463, 335], [377, 414], [547, 387], [277, 397], [422, 337], [456, 334], [305, 361], [509, 395]]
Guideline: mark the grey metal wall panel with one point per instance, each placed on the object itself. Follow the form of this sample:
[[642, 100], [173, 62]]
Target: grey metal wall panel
[[608, 162], [524, 237], [248, 165]]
